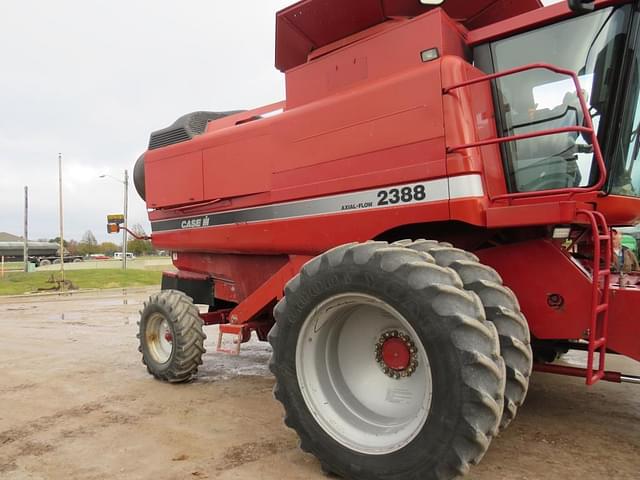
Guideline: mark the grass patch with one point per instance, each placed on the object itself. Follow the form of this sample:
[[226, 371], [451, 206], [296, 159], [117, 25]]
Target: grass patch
[[13, 266], [18, 283]]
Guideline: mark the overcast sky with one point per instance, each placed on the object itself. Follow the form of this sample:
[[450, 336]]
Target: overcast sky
[[92, 79]]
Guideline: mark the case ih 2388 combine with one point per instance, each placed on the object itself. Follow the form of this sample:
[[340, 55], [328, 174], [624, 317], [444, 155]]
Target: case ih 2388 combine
[[425, 220]]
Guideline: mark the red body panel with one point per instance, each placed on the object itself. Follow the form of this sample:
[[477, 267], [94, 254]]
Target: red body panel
[[229, 285], [395, 47], [538, 269], [624, 322], [526, 268], [620, 210], [173, 178], [302, 28], [345, 133], [528, 20]]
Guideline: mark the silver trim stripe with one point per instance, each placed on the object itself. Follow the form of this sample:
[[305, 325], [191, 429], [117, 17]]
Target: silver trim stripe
[[393, 196]]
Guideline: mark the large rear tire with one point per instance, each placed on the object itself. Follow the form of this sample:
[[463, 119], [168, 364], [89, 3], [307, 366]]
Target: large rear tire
[[342, 330], [501, 307], [171, 336]]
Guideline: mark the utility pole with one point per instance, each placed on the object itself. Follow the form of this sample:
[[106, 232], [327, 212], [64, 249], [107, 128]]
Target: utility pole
[[25, 249], [126, 219], [61, 223], [124, 182]]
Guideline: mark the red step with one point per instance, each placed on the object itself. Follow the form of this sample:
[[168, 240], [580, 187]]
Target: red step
[[230, 329]]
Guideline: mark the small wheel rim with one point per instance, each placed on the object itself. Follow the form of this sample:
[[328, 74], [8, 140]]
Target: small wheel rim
[[352, 394], [159, 338]]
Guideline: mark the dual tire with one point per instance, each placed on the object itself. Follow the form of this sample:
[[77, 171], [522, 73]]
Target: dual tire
[[501, 308], [358, 410]]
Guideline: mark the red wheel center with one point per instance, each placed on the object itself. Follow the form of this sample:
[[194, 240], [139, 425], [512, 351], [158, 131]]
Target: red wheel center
[[396, 354], [168, 337]]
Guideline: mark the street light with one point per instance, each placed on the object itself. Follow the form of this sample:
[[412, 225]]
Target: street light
[[126, 216]]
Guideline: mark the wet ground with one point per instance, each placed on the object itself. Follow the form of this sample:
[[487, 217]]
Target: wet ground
[[76, 403]]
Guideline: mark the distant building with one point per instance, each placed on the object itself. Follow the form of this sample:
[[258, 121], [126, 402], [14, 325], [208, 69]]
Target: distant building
[[7, 237]]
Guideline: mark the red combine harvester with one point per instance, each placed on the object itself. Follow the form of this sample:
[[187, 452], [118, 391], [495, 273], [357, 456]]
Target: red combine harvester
[[504, 133]]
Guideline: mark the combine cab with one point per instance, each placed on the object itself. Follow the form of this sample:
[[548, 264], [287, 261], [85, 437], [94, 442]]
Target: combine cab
[[376, 226]]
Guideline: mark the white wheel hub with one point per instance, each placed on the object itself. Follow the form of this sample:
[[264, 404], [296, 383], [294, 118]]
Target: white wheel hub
[[363, 403], [159, 338]]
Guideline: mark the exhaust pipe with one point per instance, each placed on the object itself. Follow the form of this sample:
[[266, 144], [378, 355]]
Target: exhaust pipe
[[630, 379]]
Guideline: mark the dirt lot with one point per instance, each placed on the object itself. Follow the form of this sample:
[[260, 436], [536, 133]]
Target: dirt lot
[[76, 403]]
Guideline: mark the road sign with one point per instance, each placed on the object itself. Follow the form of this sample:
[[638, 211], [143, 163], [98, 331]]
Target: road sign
[[117, 219]]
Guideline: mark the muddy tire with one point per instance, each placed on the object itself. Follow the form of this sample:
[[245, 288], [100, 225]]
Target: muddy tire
[[338, 329], [501, 307], [171, 336], [44, 262]]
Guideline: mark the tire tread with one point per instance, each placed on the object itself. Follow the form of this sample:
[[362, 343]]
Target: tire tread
[[501, 308]]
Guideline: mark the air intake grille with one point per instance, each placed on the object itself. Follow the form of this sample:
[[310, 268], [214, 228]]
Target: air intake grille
[[185, 128], [162, 138]]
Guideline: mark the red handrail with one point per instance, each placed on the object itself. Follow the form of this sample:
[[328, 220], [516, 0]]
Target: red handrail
[[588, 128]]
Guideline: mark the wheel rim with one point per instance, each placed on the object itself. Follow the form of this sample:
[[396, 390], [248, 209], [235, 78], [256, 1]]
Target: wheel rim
[[159, 338], [357, 398]]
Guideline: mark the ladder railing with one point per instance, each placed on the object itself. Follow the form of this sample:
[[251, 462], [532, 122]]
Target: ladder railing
[[601, 278]]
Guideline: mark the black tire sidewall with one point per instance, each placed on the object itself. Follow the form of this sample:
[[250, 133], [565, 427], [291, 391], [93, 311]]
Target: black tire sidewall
[[430, 445]]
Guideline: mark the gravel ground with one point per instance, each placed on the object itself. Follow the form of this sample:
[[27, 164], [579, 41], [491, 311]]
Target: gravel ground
[[76, 403]]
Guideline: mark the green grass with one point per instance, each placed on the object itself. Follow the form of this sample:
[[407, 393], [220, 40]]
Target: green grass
[[19, 283], [13, 266]]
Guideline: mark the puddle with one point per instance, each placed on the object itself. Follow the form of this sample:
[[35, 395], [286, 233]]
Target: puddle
[[252, 361]]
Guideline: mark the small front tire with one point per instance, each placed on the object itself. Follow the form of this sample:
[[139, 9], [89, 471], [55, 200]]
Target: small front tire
[[171, 336]]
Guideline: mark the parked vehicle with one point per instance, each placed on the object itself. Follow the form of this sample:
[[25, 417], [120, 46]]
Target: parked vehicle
[[40, 253], [99, 256]]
